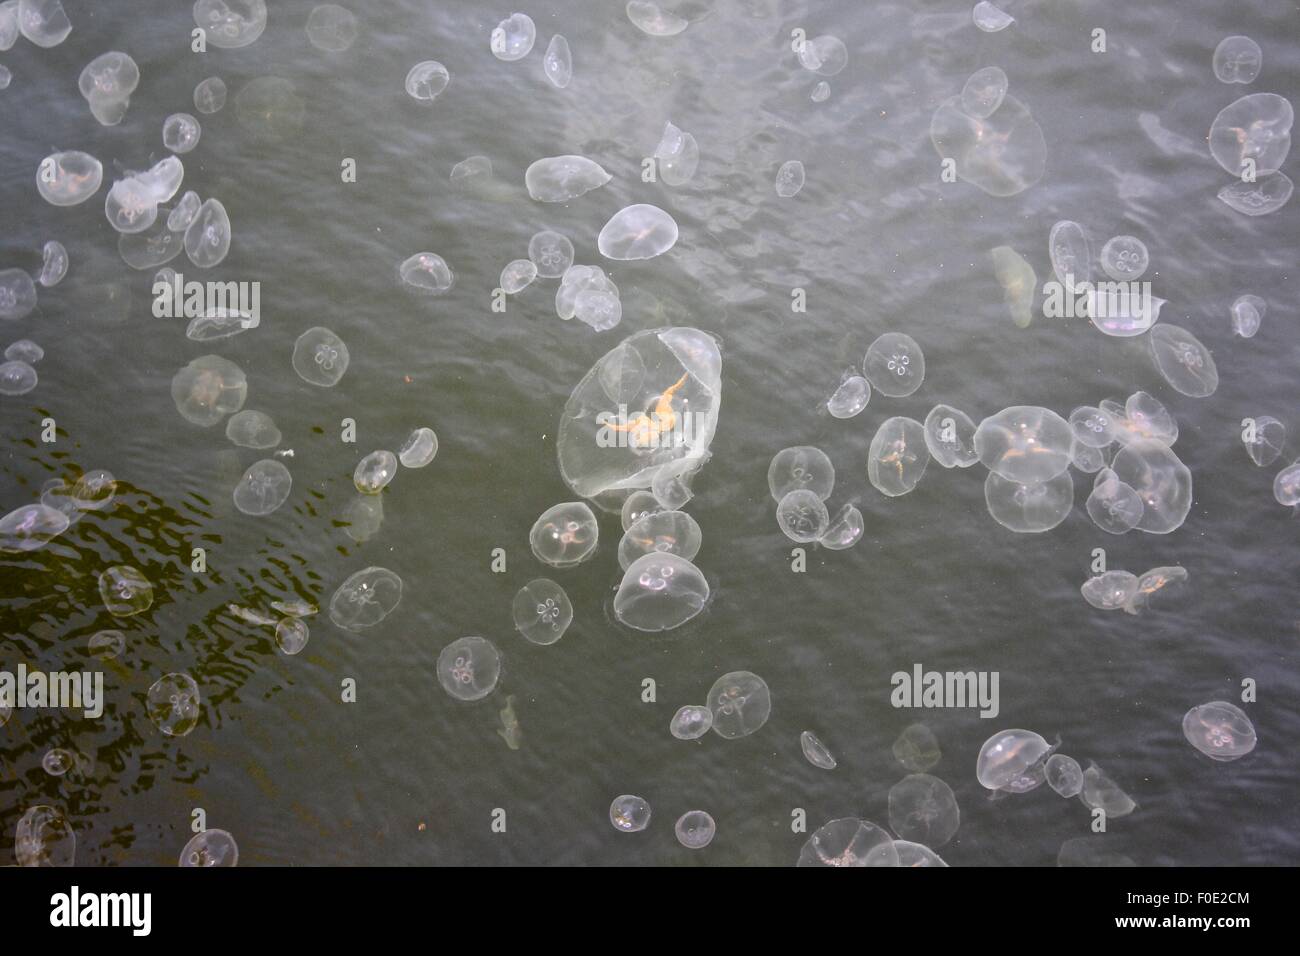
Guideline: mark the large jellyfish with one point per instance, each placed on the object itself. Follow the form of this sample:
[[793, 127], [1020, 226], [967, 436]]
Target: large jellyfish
[[1003, 153], [659, 592]]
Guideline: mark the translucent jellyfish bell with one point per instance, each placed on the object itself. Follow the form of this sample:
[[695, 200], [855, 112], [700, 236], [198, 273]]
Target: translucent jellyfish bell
[[1183, 361], [557, 64], [419, 448], [542, 611], [291, 636], [898, 456], [1286, 485], [1156, 581], [1110, 591], [551, 253], [950, 437], [1071, 254], [1003, 153], [264, 487], [989, 18], [1264, 440], [1160, 479], [517, 276], [1237, 59], [1012, 760], [1125, 258], [331, 28], [894, 365], [130, 205], [678, 155], [695, 829], [741, 703], [44, 837], [659, 592], [821, 92], [802, 516], [825, 55], [230, 24], [107, 645], [562, 178], [1247, 314], [320, 357], [1256, 127], [250, 429], [916, 748], [691, 722], [43, 22], [210, 95], [107, 83], [845, 529], [629, 813], [1064, 775], [1025, 443], [800, 467], [1029, 507], [849, 841], [850, 397], [210, 848], [923, 809], [565, 535], [468, 668], [653, 19], [17, 294], [663, 532], [174, 704], [984, 91], [426, 273], [513, 37], [426, 80], [1101, 792], [69, 177], [24, 350], [181, 132], [790, 178], [1258, 198], [815, 751], [1145, 416], [207, 238], [374, 472], [1092, 426], [31, 526], [365, 598], [1019, 284], [640, 231], [1113, 505], [209, 389], [58, 761], [638, 505], [1220, 730]]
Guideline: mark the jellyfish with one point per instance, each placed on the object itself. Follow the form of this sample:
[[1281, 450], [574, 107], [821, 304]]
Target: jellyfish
[[1088, 460], [655, 20], [125, 591], [1247, 314], [291, 635], [1183, 361], [989, 18], [564, 535], [802, 516], [320, 357], [17, 378], [562, 178], [659, 592], [513, 37], [1286, 485], [1102, 793], [551, 253], [695, 829], [638, 505], [263, 488], [8, 24], [374, 472], [1092, 426], [30, 526], [44, 837], [1153, 582], [1018, 281], [984, 91], [365, 598], [1012, 760], [230, 24], [152, 248], [181, 132], [54, 263], [923, 809], [950, 437], [1237, 59], [1003, 154], [94, 490], [629, 813], [69, 177], [270, 109], [789, 179], [331, 28], [821, 92], [916, 748], [741, 704], [1160, 479], [1071, 254], [250, 429], [468, 668], [363, 517], [825, 55], [1064, 775], [800, 468], [1025, 443], [1264, 437], [898, 456], [107, 645], [542, 611], [600, 308], [17, 294], [894, 365], [1258, 198], [43, 22], [210, 95], [849, 841], [207, 238], [58, 761], [517, 276], [844, 530], [24, 350], [419, 448], [295, 608], [815, 751], [209, 389], [663, 532], [850, 397], [1252, 134], [472, 172], [557, 64], [1220, 730], [691, 722], [1113, 505], [107, 83], [426, 80], [1125, 258], [174, 704], [210, 848], [677, 155], [1029, 507], [640, 231]]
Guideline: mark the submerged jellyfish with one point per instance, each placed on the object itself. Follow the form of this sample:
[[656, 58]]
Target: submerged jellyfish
[[989, 18], [426, 80], [152, 248], [468, 668], [1153, 582], [923, 809], [1286, 486], [1253, 134], [1025, 443], [107, 645], [44, 837], [825, 55], [695, 829], [1101, 792], [1146, 417], [31, 526], [1183, 361], [1064, 775], [320, 357], [181, 132], [850, 397], [984, 91], [331, 28], [1003, 153], [125, 591], [663, 532], [741, 704], [1264, 440], [513, 37], [898, 456], [58, 761], [638, 505], [230, 24], [849, 841], [17, 378], [173, 704], [17, 294], [1258, 198], [1125, 258], [419, 448], [209, 389], [426, 273], [365, 598], [1220, 730], [250, 429], [789, 179], [565, 534], [640, 231], [1018, 281], [69, 177], [542, 611], [894, 365], [1012, 760], [291, 635], [691, 722], [107, 83], [551, 252], [678, 155], [8, 24], [659, 592], [950, 437], [374, 472], [1029, 507], [517, 276], [821, 92], [1110, 591], [1092, 426], [210, 848], [815, 751], [24, 350], [557, 64], [43, 22], [210, 95], [914, 854], [1071, 254], [1237, 59], [802, 516], [629, 813], [655, 20], [562, 178], [1113, 505], [800, 467], [1247, 314], [207, 238], [1088, 460], [264, 487], [1160, 479], [54, 264], [844, 530], [916, 748]]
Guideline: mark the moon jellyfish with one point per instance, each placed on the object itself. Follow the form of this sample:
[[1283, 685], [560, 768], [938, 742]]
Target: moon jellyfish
[[8, 27], [1029, 507], [374, 472], [331, 28], [1071, 254], [17, 294], [639, 231], [264, 487], [362, 517], [151, 248], [989, 18], [320, 357], [365, 598], [629, 813], [1025, 443], [1012, 760], [898, 456], [821, 92], [1101, 792], [107, 83], [107, 645], [638, 505], [517, 276], [1255, 128], [1092, 426], [230, 24], [44, 837], [741, 704], [844, 530], [24, 350], [1286, 486], [1183, 361], [562, 178], [849, 841], [69, 177], [1160, 479], [1110, 591], [800, 467], [850, 398], [210, 848], [691, 722], [914, 855], [825, 55], [291, 635], [663, 532], [54, 264], [31, 526], [802, 516], [1018, 281], [894, 365], [44, 22], [789, 179], [17, 378], [419, 448], [270, 109], [950, 437], [468, 668], [426, 80], [1153, 582], [426, 273], [1113, 505], [551, 252], [209, 389], [542, 611], [1064, 775], [557, 64], [923, 809], [1247, 314], [1258, 198], [586, 292], [1264, 440], [1237, 59], [1124, 258], [94, 490], [815, 751], [1220, 730], [207, 238], [564, 535], [1003, 153], [655, 20], [984, 91], [58, 761], [181, 132], [678, 155], [250, 429], [173, 704], [695, 829], [513, 37], [210, 95], [659, 592]]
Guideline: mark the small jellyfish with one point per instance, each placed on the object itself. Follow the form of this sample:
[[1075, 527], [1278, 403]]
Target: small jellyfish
[[1154, 582], [513, 37], [6, 77], [789, 178], [517, 276], [374, 472], [1071, 254], [210, 848], [1286, 486], [678, 156], [741, 704], [815, 751], [210, 95], [1029, 507], [291, 635], [663, 532], [691, 722], [365, 598], [426, 80], [849, 841], [207, 238], [125, 591], [640, 231], [107, 645], [821, 92], [264, 487], [1264, 437], [1220, 730], [31, 526], [174, 704], [295, 608], [659, 592], [989, 18], [152, 248], [825, 55], [629, 813], [107, 83], [1260, 197], [17, 294], [894, 365], [331, 28], [320, 357], [638, 505], [565, 534], [557, 64], [362, 517], [1064, 775], [1125, 258], [1113, 505], [1247, 314], [898, 456], [844, 530], [1012, 760], [984, 91], [44, 837], [1019, 283], [54, 263], [94, 490], [24, 350], [655, 20], [1025, 443], [802, 516], [1160, 479], [1092, 426], [181, 132], [250, 429], [1237, 59], [695, 829], [950, 437], [551, 253], [542, 611], [419, 448], [69, 177], [17, 378], [468, 668], [209, 389], [1253, 134], [58, 761], [426, 273], [562, 178], [1101, 792], [923, 809], [231, 24], [850, 397], [1183, 361]]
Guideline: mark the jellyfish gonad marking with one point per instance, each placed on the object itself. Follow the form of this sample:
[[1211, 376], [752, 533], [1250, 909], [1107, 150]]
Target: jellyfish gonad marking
[[644, 429]]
